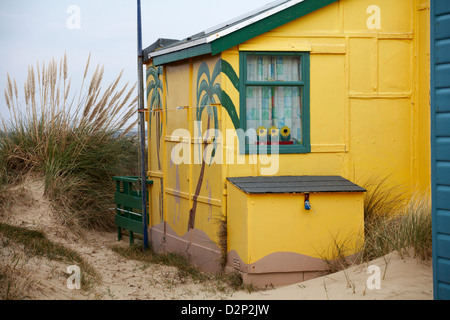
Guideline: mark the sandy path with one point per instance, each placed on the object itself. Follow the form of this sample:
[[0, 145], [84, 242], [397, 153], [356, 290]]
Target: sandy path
[[123, 279], [120, 278]]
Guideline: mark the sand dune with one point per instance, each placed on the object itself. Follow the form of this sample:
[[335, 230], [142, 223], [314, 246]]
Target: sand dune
[[122, 279], [400, 279]]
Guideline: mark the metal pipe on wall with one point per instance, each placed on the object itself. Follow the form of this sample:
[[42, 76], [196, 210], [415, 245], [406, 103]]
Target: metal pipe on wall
[[142, 124]]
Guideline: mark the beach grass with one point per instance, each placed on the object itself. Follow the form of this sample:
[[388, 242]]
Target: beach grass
[[185, 269], [75, 142], [396, 220], [407, 231], [36, 244]]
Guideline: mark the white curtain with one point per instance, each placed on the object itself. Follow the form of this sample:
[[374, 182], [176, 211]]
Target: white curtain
[[274, 106], [273, 68]]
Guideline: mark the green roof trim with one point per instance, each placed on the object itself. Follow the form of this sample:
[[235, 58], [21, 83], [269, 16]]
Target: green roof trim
[[242, 35], [182, 54], [260, 27]]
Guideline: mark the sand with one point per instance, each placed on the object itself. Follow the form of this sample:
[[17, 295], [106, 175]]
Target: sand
[[401, 278]]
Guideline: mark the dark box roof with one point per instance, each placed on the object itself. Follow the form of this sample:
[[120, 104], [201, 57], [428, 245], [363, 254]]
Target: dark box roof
[[295, 184]]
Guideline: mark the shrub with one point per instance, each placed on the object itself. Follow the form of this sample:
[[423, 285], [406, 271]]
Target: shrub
[[396, 221], [75, 142]]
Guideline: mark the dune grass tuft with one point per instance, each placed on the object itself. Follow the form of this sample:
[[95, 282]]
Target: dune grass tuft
[[76, 142], [396, 220], [185, 268], [36, 243]]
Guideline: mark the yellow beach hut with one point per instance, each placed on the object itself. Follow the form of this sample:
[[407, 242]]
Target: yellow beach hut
[[261, 129]]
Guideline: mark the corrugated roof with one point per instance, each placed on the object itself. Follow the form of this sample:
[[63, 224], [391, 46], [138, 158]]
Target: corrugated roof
[[161, 43], [200, 43], [295, 184]]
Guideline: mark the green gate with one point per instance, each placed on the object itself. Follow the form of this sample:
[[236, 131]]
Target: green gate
[[129, 206]]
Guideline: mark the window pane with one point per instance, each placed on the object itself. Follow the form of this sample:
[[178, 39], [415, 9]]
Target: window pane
[[274, 68], [276, 108]]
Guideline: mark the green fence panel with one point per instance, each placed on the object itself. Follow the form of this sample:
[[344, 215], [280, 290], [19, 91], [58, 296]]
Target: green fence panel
[[129, 206]]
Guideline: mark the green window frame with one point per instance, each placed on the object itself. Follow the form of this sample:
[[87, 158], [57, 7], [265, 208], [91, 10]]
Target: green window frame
[[304, 84]]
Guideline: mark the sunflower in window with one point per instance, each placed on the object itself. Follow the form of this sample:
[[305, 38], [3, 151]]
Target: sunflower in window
[[262, 134], [274, 134], [285, 134]]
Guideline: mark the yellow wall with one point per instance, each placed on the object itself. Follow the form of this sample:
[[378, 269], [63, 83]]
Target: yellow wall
[[369, 91], [177, 187], [175, 184], [369, 118], [422, 122], [260, 225], [237, 220], [280, 223]]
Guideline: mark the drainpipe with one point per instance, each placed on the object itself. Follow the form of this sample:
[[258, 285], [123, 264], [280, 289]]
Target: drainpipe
[[142, 124]]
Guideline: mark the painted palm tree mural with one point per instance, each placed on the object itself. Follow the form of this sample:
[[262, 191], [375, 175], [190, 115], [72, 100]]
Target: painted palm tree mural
[[155, 90], [209, 94]]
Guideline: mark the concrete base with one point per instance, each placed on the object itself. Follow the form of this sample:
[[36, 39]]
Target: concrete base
[[195, 245], [276, 279], [279, 279]]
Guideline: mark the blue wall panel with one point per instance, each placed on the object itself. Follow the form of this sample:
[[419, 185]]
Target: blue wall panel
[[443, 246], [442, 27], [442, 218], [440, 145], [443, 290], [440, 7], [442, 124], [443, 173], [442, 100], [443, 51], [441, 149], [442, 271], [442, 76]]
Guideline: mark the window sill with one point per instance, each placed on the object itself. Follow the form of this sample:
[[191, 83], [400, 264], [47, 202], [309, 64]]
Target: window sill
[[282, 149]]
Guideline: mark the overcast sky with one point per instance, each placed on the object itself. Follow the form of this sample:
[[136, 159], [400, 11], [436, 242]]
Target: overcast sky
[[38, 30]]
